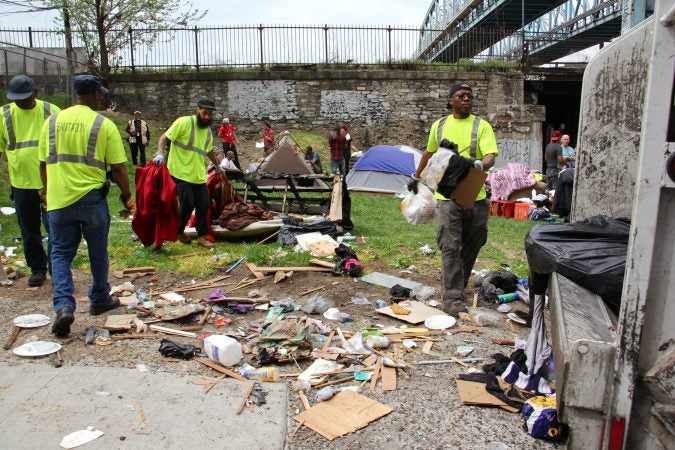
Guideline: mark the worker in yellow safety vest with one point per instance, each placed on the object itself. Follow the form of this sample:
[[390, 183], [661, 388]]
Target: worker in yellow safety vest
[[191, 140], [19, 135], [76, 146]]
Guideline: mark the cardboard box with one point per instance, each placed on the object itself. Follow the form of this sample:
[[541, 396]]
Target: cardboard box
[[467, 189]]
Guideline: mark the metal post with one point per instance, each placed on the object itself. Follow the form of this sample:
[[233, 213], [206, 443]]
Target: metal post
[[325, 40], [6, 64], [24, 60], [131, 49], [59, 86], [522, 31], [45, 72], [196, 48], [30, 37], [389, 38], [260, 32]]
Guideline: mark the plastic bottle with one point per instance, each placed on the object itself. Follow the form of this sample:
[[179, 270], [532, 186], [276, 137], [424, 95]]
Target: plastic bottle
[[506, 298], [379, 303], [223, 349], [265, 374], [141, 295]]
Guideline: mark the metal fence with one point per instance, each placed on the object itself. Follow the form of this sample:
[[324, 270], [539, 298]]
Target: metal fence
[[243, 46]]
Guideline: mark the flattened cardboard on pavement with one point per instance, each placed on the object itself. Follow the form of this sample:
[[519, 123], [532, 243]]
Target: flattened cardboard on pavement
[[473, 393], [343, 414], [419, 312]]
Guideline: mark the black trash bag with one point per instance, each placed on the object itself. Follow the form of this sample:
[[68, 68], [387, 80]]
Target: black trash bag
[[346, 221], [178, 350], [399, 292], [506, 281], [345, 252], [350, 266], [591, 252], [289, 230]]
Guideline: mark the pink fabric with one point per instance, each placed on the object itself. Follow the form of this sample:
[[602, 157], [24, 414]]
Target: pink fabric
[[510, 178]]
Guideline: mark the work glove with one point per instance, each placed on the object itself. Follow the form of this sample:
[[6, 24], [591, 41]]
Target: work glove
[[220, 171], [158, 160], [129, 203], [478, 164], [412, 184]]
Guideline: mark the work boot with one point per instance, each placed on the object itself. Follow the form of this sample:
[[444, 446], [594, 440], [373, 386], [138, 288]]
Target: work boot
[[184, 238], [37, 279], [454, 307], [64, 318], [204, 242], [109, 304]]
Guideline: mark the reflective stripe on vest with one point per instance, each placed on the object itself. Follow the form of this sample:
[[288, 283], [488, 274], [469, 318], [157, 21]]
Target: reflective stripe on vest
[[12, 144], [191, 140], [474, 135], [89, 159]]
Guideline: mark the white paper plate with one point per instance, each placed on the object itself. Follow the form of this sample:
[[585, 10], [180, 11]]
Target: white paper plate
[[332, 314], [516, 319], [31, 321], [440, 322], [37, 348]]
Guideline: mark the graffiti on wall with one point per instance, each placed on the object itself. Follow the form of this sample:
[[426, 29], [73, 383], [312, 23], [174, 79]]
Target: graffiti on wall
[[262, 99], [519, 151], [353, 105]]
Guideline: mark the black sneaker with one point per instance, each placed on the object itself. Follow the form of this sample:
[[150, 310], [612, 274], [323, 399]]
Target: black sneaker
[[111, 303], [37, 279], [64, 318], [454, 307]]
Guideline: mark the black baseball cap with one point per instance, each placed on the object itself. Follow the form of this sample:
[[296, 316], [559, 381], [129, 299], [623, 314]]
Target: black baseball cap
[[206, 103], [20, 87], [88, 84]]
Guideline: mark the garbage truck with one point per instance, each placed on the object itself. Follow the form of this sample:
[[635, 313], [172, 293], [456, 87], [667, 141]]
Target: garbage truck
[[615, 373]]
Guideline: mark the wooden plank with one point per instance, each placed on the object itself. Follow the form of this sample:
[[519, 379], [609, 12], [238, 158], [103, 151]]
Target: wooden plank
[[249, 389], [304, 400], [119, 322], [254, 270], [219, 368], [148, 269], [332, 382], [262, 269], [376, 373], [427, 347], [322, 263], [388, 378], [173, 331]]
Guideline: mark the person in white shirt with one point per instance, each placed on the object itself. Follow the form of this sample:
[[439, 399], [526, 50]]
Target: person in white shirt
[[228, 162]]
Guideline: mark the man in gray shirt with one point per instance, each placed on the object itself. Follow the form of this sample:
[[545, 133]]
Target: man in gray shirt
[[554, 158]]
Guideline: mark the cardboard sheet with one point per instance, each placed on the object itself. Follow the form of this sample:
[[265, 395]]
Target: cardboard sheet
[[467, 189], [472, 393], [119, 322], [343, 414], [419, 312]]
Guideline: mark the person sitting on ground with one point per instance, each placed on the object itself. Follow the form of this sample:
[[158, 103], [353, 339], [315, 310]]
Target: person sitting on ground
[[228, 162], [313, 159]]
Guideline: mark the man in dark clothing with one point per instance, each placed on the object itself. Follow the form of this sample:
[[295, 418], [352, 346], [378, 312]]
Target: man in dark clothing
[[554, 158], [139, 136]]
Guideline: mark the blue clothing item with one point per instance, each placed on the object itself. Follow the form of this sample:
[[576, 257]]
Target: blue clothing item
[[88, 217], [336, 166], [29, 213]]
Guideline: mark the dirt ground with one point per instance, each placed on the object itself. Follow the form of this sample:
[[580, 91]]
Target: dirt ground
[[427, 412]]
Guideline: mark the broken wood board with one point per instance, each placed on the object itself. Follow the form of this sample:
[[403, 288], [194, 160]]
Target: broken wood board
[[322, 263], [135, 272], [387, 281], [165, 330], [473, 393], [281, 275], [419, 312], [261, 269], [172, 297], [345, 413], [388, 378], [215, 366], [119, 322], [178, 312]]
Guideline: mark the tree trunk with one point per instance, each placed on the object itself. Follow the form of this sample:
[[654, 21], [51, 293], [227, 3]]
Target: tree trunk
[[102, 43]]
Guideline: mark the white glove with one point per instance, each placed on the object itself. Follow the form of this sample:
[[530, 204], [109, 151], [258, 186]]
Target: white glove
[[158, 160], [220, 170], [478, 164]]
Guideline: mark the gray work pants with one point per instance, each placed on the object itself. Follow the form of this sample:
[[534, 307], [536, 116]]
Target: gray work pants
[[461, 234]]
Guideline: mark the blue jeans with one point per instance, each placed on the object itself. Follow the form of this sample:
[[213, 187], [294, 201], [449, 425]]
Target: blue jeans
[[336, 166], [29, 213], [88, 217]]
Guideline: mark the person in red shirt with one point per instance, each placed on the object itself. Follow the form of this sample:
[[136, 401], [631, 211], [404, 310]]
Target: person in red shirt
[[268, 138], [337, 140], [227, 133]]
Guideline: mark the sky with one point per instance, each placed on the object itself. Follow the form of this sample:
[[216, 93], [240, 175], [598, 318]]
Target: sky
[[286, 12]]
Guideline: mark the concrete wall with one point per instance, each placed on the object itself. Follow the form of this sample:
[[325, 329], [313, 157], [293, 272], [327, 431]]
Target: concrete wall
[[381, 106], [610, 123]]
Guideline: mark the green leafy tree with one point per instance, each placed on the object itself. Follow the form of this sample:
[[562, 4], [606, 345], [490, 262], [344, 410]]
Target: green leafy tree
[[104, 25]]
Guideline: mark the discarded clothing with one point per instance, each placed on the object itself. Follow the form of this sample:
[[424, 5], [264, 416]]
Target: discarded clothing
[[536, 383], [509, 179], [506, 281], [178, 350], [562, 202], [156, 219]]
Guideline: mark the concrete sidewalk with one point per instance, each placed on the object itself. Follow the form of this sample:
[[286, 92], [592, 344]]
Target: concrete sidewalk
[[40, 404]]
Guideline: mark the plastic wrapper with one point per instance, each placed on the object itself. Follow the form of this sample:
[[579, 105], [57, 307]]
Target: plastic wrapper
[[485, 317], [423, 292], [419, 208], [172, 349], [436, 167], [592, 253], [290, 229]]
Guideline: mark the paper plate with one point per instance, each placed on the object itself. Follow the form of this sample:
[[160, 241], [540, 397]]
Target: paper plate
[[37, 348], [515, 318], [31, 321], [332, 314], [440, 322]]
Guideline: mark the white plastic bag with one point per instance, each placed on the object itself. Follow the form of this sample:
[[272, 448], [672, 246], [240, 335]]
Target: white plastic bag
[[419, 208], [436, 167]]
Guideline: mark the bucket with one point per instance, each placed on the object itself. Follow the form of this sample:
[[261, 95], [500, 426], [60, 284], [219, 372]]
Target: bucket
[[223, 349], [521, 211]]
